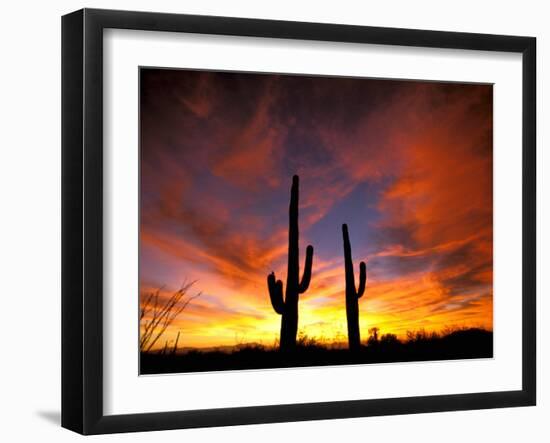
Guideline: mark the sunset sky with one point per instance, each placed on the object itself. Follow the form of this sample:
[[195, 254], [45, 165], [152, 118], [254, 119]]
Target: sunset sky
[[407, 165]]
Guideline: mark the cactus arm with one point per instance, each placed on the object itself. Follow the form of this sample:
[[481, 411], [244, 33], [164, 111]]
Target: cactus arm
[[306, 277], [362, 279], [276, 293]]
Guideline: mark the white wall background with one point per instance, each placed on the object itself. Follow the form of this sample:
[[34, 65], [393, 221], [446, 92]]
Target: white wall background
[[30, 218]]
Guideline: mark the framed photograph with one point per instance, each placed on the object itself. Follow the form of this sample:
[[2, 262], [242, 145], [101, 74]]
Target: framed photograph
[[268, 221]]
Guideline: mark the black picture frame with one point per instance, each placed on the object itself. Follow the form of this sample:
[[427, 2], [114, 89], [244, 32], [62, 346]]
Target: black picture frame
[[82, 218]]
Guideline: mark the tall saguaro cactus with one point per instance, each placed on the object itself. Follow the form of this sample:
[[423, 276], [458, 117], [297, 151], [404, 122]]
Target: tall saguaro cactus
[[288, 308], [352, 295]]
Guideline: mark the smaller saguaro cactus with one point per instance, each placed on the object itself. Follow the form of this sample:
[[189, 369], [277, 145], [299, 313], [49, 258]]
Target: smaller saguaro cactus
[[353, 295]]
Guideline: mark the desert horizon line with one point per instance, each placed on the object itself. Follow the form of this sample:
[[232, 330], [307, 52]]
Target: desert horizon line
[[323, 341]]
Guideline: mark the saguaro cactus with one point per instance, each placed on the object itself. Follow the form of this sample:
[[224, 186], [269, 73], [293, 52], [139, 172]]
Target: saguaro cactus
[[288, 308], [352, 295]]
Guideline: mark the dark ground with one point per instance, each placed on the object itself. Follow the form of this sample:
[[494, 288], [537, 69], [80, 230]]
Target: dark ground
[[461, 344]]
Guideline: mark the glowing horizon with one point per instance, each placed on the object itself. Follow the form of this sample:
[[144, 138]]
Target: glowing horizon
[[406, 164]]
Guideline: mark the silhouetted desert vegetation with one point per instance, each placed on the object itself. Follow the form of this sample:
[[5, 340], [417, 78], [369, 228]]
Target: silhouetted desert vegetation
[[450, 344]]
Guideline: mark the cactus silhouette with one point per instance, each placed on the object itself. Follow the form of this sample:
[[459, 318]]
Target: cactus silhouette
[[288, 308], [352, 295]]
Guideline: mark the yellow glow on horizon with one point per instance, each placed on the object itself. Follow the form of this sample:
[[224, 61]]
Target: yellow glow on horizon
[[322, 316]]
